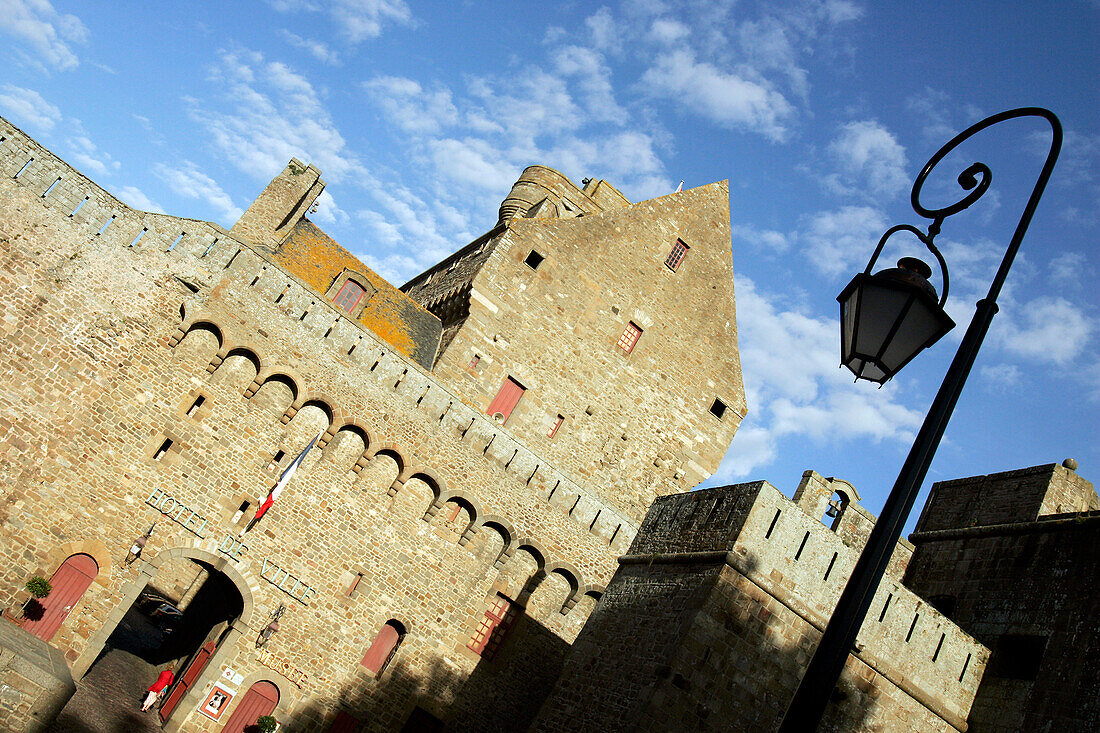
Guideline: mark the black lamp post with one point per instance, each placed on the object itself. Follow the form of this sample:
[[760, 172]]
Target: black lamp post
[[887, 318]]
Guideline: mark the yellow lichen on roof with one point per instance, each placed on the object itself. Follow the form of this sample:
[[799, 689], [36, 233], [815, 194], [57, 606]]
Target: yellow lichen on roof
[[317, 259]]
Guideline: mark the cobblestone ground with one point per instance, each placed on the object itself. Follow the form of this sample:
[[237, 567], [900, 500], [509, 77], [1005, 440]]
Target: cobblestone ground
[[108, 698]]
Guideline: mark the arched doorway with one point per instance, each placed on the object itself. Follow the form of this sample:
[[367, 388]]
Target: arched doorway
[[185, 612], [261, 699], [44, 617]]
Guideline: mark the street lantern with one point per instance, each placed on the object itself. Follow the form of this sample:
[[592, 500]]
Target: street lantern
[[272, 628], [888, 318], [139, 545]]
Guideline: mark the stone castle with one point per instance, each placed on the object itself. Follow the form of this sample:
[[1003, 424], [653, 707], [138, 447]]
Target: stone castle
[[494, 529]]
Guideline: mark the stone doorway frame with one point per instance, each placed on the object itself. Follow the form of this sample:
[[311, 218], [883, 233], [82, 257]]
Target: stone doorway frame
[[247, 585]]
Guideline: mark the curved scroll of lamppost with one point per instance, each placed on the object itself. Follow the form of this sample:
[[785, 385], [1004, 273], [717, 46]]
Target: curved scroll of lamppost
[[808, 704]]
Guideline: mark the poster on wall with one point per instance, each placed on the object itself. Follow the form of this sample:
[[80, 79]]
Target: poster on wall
[[217, 701]]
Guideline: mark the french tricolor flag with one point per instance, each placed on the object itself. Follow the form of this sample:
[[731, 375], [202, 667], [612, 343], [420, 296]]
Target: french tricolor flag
[[284, 479]]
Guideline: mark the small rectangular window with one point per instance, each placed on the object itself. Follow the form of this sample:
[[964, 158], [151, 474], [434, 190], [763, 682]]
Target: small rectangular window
[[349, 296], [195, 406], [473, 361], [630, 337], [718, 408], [506, 400], [354, 584], [534, 259], [676, 256], [557, 424]]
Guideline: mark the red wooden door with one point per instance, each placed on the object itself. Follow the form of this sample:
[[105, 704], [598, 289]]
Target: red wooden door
[[260, 700], [507, 399], [183, 684], [68, 585]]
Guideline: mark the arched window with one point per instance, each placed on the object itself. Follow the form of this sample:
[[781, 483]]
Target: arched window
[[384, 647], [349, 296]]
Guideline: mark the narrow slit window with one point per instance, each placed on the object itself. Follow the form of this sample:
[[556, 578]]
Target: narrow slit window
[[52, 187], [354, 584], [25, 166], [802, 546], [176, 241], [965, 665], [677, 255], [162, 451], [912, 627], [771, 527], [557, 424], [533, 260], [239, 514], [351, 293], [106, 224], [79, 206], [936, 654], [718, 409], [830, 568], [630, 337], [139, 236], [885, 606], [210, 246], [195, 406], [474, 361]]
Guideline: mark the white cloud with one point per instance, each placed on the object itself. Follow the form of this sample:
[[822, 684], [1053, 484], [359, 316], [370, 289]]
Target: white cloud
[[187, 180], [839, 243], [50, 34], [871, 161], [604, 30], [593, 81], [90, 158], [313, 47], [410, 107], [1001, 375], [726, 99], [761, 240], [356, 20], [28, 108], [796, 390], [271, 114], [1068, 268], [136, 198], [1046, 329], [667, 31]]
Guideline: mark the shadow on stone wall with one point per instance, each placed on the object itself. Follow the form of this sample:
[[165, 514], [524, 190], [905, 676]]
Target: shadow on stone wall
[[503, 693]]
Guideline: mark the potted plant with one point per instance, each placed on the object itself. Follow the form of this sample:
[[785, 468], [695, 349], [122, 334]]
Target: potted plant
[[267, 723], [38, 587]]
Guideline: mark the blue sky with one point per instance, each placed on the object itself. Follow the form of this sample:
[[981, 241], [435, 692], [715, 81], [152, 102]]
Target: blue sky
[[820, 114]]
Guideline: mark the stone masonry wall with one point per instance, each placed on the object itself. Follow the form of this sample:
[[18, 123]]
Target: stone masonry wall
[[636, 424], [761, 578], [1025, 589], [117, 322]]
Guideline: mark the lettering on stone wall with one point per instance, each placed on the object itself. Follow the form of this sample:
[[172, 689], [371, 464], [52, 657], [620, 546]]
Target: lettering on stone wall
[[286, 669], [286, 582], [178, 512], [232, 546]]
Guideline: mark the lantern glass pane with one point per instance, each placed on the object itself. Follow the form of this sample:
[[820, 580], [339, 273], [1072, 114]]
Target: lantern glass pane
[[879, 310], [848, 309], [919, 327]]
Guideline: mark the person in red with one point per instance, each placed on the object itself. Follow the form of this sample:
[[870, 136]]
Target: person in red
[[163, 680]]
